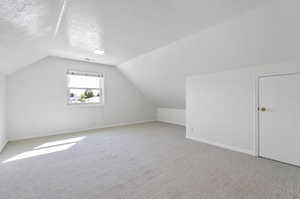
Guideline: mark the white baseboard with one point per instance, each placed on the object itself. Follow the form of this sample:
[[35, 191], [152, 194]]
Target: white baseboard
[[2, 145], [171, 122], [79, 130], [231, 148], [126, 124]]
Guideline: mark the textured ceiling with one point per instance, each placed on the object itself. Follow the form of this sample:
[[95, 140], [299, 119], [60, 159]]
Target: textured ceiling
[[26, 31], [33, 29]]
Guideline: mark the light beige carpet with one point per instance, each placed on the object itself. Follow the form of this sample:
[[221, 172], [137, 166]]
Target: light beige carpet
[[146, 161]]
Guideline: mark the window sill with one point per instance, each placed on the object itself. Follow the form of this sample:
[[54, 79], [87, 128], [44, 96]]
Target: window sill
[[85, 105]]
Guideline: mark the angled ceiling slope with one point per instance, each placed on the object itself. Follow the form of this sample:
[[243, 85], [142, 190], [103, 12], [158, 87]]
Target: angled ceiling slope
[[266, 35], [33, 29]]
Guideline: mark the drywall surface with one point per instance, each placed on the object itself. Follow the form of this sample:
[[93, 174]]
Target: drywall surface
[[173, 116], [221, 107], [3, 112], [37, 100], [266, 35]]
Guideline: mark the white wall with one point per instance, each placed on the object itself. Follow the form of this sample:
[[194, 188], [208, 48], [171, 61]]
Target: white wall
[[173, 116], [267, 35], [221, 107], [3, 112], [37, 100]]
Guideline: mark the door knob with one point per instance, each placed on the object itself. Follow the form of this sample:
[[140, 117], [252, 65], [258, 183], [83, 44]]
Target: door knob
[[263, 109]]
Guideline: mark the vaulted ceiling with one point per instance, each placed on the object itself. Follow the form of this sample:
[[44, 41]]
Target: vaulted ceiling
[[124, 29], [156, 44]]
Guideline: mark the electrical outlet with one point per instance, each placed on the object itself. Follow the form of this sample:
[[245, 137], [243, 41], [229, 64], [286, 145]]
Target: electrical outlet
[[191, 130]]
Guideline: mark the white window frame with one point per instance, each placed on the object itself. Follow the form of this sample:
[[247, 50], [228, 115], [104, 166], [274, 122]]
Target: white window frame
[[86, 73]]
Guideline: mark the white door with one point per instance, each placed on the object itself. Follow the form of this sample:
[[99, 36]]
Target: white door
[[280, 118]]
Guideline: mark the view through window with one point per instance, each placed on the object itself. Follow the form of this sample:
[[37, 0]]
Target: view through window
[[85, 88]]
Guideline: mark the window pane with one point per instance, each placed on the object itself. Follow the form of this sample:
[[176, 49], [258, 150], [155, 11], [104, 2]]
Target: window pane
[[84, 96], [79, 81]]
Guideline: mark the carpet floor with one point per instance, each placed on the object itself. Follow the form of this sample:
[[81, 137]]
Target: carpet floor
[[145, 161]]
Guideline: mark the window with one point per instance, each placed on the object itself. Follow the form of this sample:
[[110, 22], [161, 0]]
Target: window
[[85, 88]]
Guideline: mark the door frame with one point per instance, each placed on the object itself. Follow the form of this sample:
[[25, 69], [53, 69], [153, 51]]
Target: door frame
[[257, 105]]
